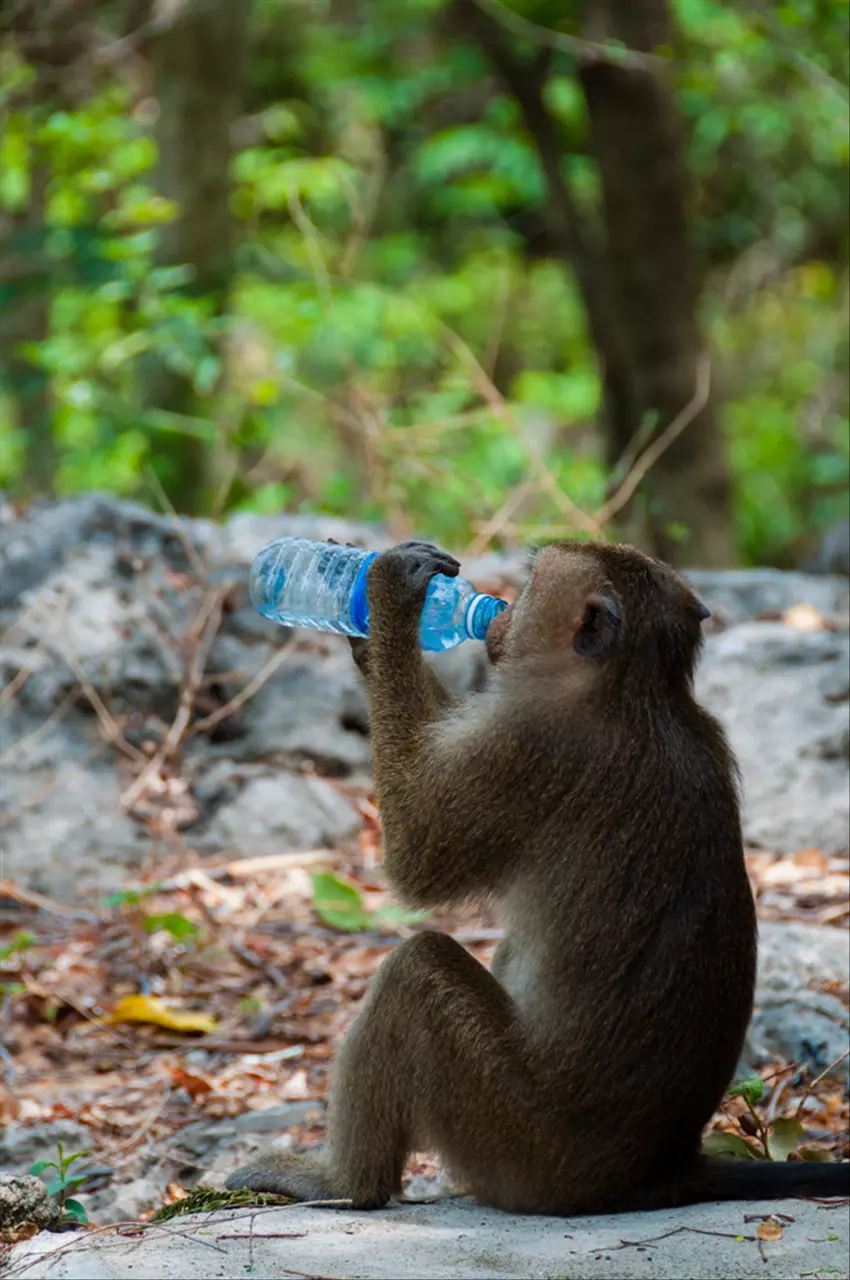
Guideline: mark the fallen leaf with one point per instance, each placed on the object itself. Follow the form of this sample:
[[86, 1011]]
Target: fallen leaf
[[196, 1086], [151, 1009], [785, 1135], [769, 1231]]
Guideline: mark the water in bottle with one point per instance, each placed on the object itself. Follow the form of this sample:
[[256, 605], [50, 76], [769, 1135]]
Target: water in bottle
[[321, 585]]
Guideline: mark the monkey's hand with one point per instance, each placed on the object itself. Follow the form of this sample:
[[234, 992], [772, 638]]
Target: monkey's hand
[[397, 582]]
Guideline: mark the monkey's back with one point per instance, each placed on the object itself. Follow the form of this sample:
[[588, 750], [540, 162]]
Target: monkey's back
[[631, 942]]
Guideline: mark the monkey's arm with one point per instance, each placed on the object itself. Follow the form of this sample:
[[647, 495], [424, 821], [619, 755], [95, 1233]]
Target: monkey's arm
[[440, 695], [437, 784]]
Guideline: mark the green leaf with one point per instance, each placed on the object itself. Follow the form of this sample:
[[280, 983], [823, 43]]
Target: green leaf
[[173, 922], [21, 943], [129, 897], [817, 1155], [40, 1165], [751, 1088], [785, 1134], [67, 1161], [393, 915], [55, 1186], [73, 1209], [338, 903], [729, 1144]]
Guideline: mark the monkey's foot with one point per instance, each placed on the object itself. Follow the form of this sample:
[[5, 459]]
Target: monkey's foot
[[284, 1173]]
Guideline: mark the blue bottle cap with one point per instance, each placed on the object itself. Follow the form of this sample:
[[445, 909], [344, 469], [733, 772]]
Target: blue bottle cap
[[480, 612]]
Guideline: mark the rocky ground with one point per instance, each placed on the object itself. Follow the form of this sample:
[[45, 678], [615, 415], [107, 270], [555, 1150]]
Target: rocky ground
[[154, 727]]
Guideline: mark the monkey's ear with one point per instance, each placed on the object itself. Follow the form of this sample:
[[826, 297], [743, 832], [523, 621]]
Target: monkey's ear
[[600, 624]]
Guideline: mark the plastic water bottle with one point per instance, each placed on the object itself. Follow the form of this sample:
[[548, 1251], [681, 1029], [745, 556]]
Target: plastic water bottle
[[322, 586]]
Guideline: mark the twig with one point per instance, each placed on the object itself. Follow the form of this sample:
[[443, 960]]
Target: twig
[[585, 51], [313, 241], [122, 1148], [810, 1089], [810, 69], [35, 797], [29, 898], [499, 519], [546, 481], [43, 729], [660, 444], [262, 1235], [17, 682], [497, 325], [639, 1244], [200, 640], [108, 724], [244, 695], [201, 569], [201, 636], [309, 1275]]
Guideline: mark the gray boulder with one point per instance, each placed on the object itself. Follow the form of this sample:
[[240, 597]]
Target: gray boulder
[[265, 812], [794, 1017], [782, 695]]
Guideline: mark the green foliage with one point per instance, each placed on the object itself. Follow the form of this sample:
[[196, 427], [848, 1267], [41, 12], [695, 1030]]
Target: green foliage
[[340, 905], [750, 1088], [63, 1183], [19, 946], [388, 195], [773, 1139], [131, 902], [174, 922]]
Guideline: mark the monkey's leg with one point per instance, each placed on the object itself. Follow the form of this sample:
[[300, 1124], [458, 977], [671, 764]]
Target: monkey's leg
[[435, 1059]]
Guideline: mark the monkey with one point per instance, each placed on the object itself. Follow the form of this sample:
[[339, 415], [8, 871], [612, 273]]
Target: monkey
[[587, 793]]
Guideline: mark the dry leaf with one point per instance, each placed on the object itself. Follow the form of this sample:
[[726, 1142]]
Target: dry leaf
[[769, 1231], [151, 1009], [21, 1231], [196, 1086]]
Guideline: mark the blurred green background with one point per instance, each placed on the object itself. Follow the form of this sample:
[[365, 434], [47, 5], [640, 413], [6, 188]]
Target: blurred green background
[[447, 264]]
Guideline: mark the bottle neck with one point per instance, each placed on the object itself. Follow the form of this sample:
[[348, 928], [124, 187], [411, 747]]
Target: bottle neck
[[480, 612]]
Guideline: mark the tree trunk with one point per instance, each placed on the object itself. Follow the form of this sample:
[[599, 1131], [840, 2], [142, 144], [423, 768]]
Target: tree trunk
[[197, 64], [24, 321], [640, 281], [655, 278], [53, 37]]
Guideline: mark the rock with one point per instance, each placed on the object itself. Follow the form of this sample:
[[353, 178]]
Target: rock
[[125, 1201], [25, 1199], [245, 534], [833, 553], [793, 1019], [299, 717], [275, 812], [65, 828], [49, 535], [22, 1145], [460, 1240], [782, 697], [746, 593]]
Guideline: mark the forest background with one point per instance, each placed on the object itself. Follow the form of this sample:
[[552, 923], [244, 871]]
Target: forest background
[[452, 265]]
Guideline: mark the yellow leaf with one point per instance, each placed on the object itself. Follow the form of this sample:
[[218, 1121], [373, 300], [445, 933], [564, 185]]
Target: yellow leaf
[[769, 1231], [152, 1009]]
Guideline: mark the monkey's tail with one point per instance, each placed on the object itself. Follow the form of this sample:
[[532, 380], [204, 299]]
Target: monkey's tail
[[718, 1179]]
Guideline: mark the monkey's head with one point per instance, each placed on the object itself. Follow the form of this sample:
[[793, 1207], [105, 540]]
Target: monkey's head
[[602, 605]]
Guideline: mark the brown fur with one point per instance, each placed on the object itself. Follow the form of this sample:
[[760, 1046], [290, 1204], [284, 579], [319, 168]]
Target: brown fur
[[588, 792]]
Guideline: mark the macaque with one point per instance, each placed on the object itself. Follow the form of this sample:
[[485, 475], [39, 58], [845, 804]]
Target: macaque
[[588, 794]]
